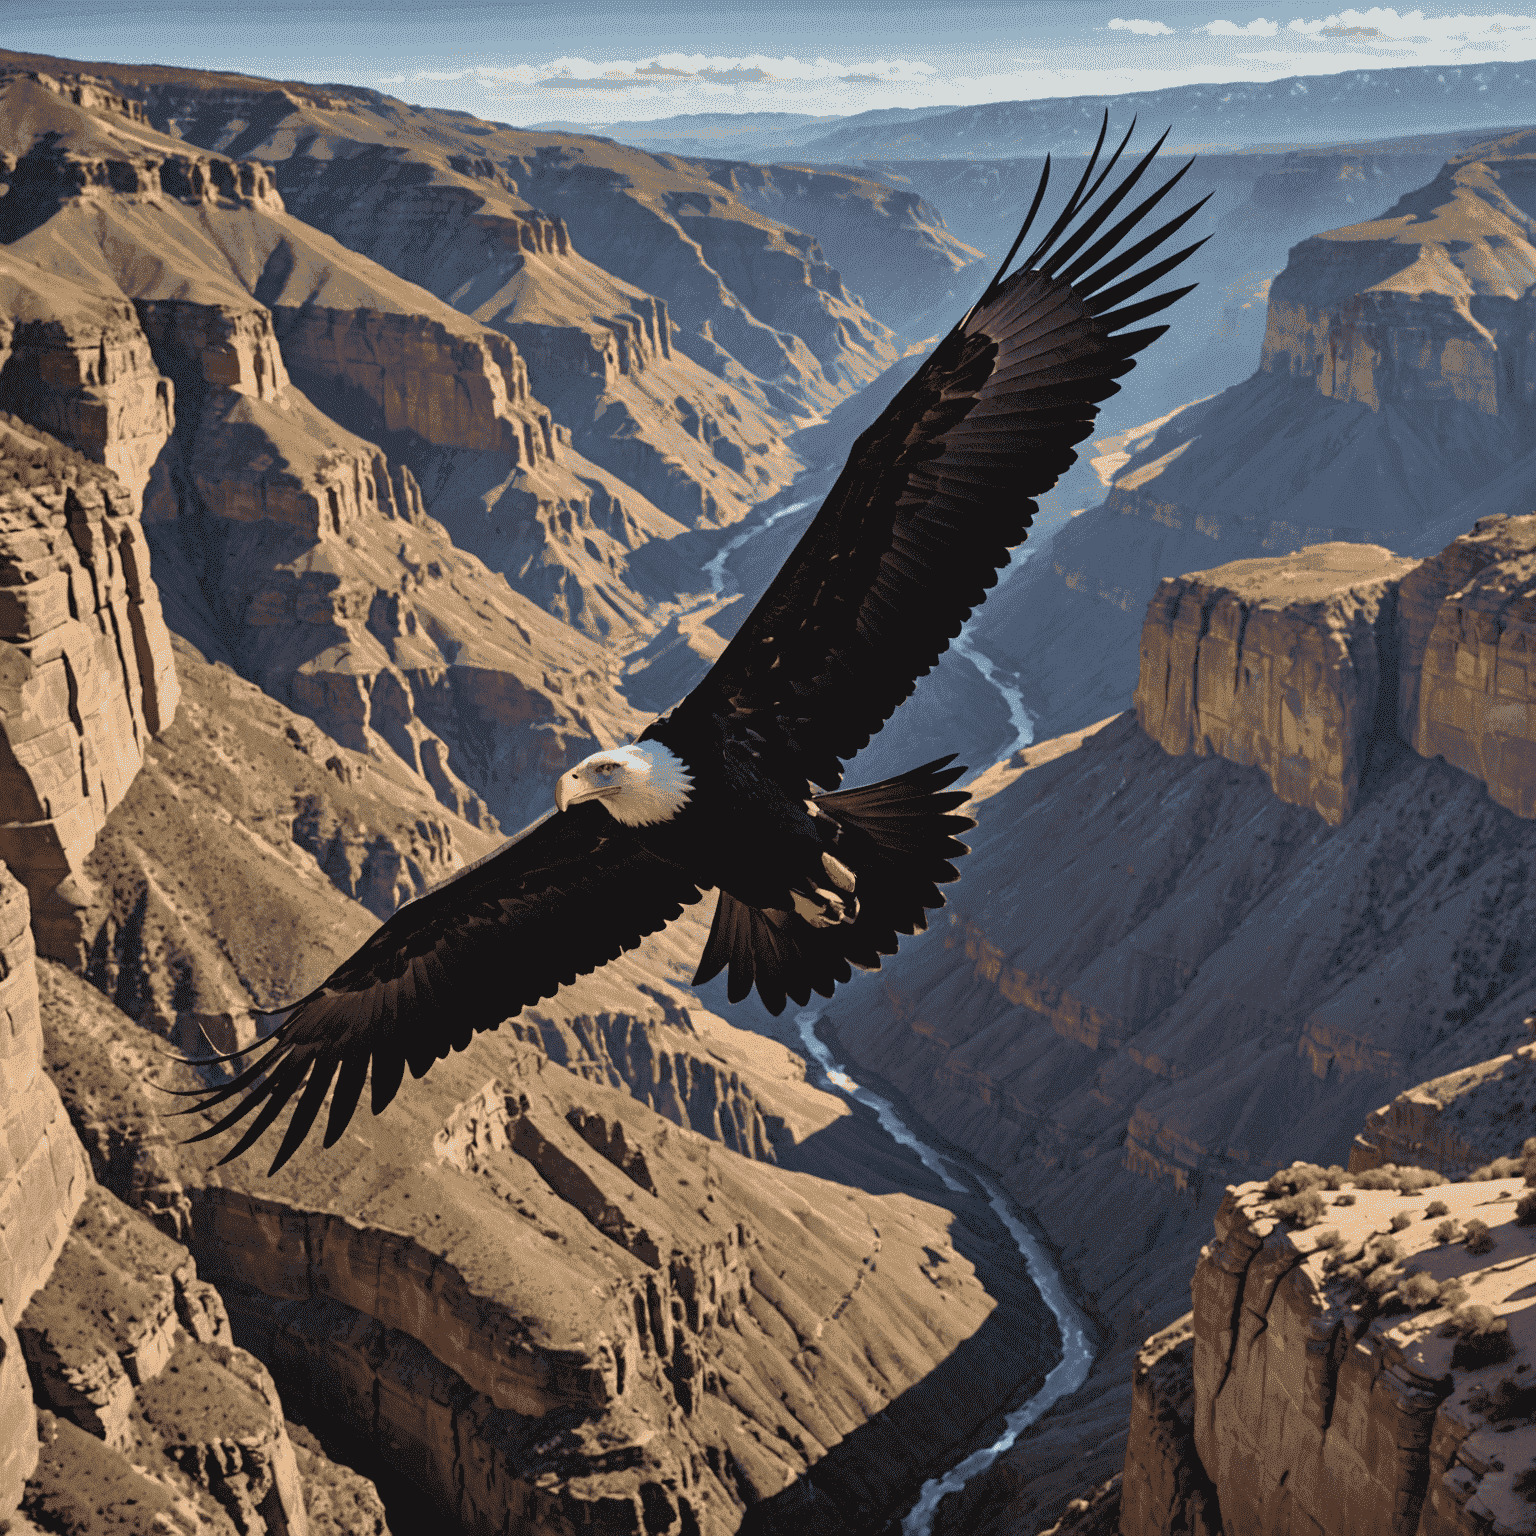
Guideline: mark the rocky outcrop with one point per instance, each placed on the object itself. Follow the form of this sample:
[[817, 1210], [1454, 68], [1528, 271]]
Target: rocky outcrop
[[459, 388], [222, 875], [894, 247], [80, 367], [1427, 303], [1390, 400], [42, 1179], [1393, 1405], [1280, 663], [1456, 1123], [144, 1402], [86, 677], [1467, 634], [1164, 1487], [127, 1344]]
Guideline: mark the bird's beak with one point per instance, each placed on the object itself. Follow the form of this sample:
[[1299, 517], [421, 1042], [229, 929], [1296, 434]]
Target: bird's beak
[[562, 791]]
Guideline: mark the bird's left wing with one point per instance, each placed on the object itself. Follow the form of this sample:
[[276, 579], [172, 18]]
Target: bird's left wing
[[570, 893], [937, 491]]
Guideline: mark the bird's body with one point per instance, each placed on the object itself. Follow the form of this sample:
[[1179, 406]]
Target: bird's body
[[736, 788]]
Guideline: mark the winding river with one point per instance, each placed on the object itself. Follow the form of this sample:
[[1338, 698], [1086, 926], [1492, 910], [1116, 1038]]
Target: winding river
[[1077, 1353]]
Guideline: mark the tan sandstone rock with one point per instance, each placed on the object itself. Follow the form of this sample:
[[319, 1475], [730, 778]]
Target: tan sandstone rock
[[1455, 1123], [85, 666], [1279, 663], [1474, 704], [126, 1343], [1310, 1409], [80, 367]]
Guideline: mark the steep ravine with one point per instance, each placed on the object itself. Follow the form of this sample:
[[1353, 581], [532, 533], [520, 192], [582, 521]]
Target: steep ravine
[[1076, 1353]]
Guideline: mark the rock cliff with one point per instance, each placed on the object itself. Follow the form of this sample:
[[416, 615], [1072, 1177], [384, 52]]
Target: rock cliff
[[85, 666], [1356, 1366], [43, 1179], [1285, 664], [1158, 977], [659, 1350], [286, 544]]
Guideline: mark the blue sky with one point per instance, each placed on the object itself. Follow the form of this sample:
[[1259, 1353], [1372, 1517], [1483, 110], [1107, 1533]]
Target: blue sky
[[525, 62]]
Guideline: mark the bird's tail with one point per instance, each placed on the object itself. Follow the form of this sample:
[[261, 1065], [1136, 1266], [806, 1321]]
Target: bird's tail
[[898, 837]]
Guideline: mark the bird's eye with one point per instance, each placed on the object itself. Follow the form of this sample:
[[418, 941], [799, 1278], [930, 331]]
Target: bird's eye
[[605, 767]]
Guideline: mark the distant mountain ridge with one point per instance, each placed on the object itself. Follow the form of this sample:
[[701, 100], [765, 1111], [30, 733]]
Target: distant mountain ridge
[[1301, 109]]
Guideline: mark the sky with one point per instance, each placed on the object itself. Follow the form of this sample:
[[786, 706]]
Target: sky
[[530, 61]]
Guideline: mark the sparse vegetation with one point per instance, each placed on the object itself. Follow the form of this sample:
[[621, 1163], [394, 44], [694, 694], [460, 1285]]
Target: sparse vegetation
[[1327, 1239], [1452, 1294], [1420, 1291], [1481, 1338], [1479, 1238], [41, 459], [1525, 1210], [1345, 1200], [1499, 1168], [1405, 1180], [1447, 1231], [1401, 1220], [1436, 1208], [1301, 1210], [1301, 1176]]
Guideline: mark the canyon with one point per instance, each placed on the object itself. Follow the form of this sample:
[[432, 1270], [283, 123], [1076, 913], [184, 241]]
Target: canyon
[[362, 467]]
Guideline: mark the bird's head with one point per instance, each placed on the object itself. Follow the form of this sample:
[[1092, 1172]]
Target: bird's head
[[638, 785]]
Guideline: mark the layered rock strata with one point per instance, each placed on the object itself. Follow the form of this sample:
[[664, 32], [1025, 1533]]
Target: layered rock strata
[[253, 463], [1309, 1408], [1279, 663], [86, 676], [1465, 691], [506, 1253], [42, 1179], [128, 1345], [1391, 398], [217, 882], [80, 367], [1456, 1123]]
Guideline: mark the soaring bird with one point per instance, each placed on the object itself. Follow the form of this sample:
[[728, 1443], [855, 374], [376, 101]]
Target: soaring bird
[[736, 787]]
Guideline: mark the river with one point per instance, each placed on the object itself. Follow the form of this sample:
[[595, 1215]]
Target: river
[[1077, 1353]]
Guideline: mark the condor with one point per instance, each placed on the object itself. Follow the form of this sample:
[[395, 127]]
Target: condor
[[736, 788]]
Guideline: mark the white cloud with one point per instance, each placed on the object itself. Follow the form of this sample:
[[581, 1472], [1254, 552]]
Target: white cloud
[[1437, 36], [693, 69], [1259, 28], [1104, 61]]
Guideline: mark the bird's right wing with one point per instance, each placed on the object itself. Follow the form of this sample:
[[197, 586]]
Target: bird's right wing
[[572, 892]]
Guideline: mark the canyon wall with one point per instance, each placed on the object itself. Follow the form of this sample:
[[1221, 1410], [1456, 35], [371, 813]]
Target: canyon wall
[[1163, 974], [85, 667], [1336, 1378], [287, 544], [1277, 663], [42, 1179]]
